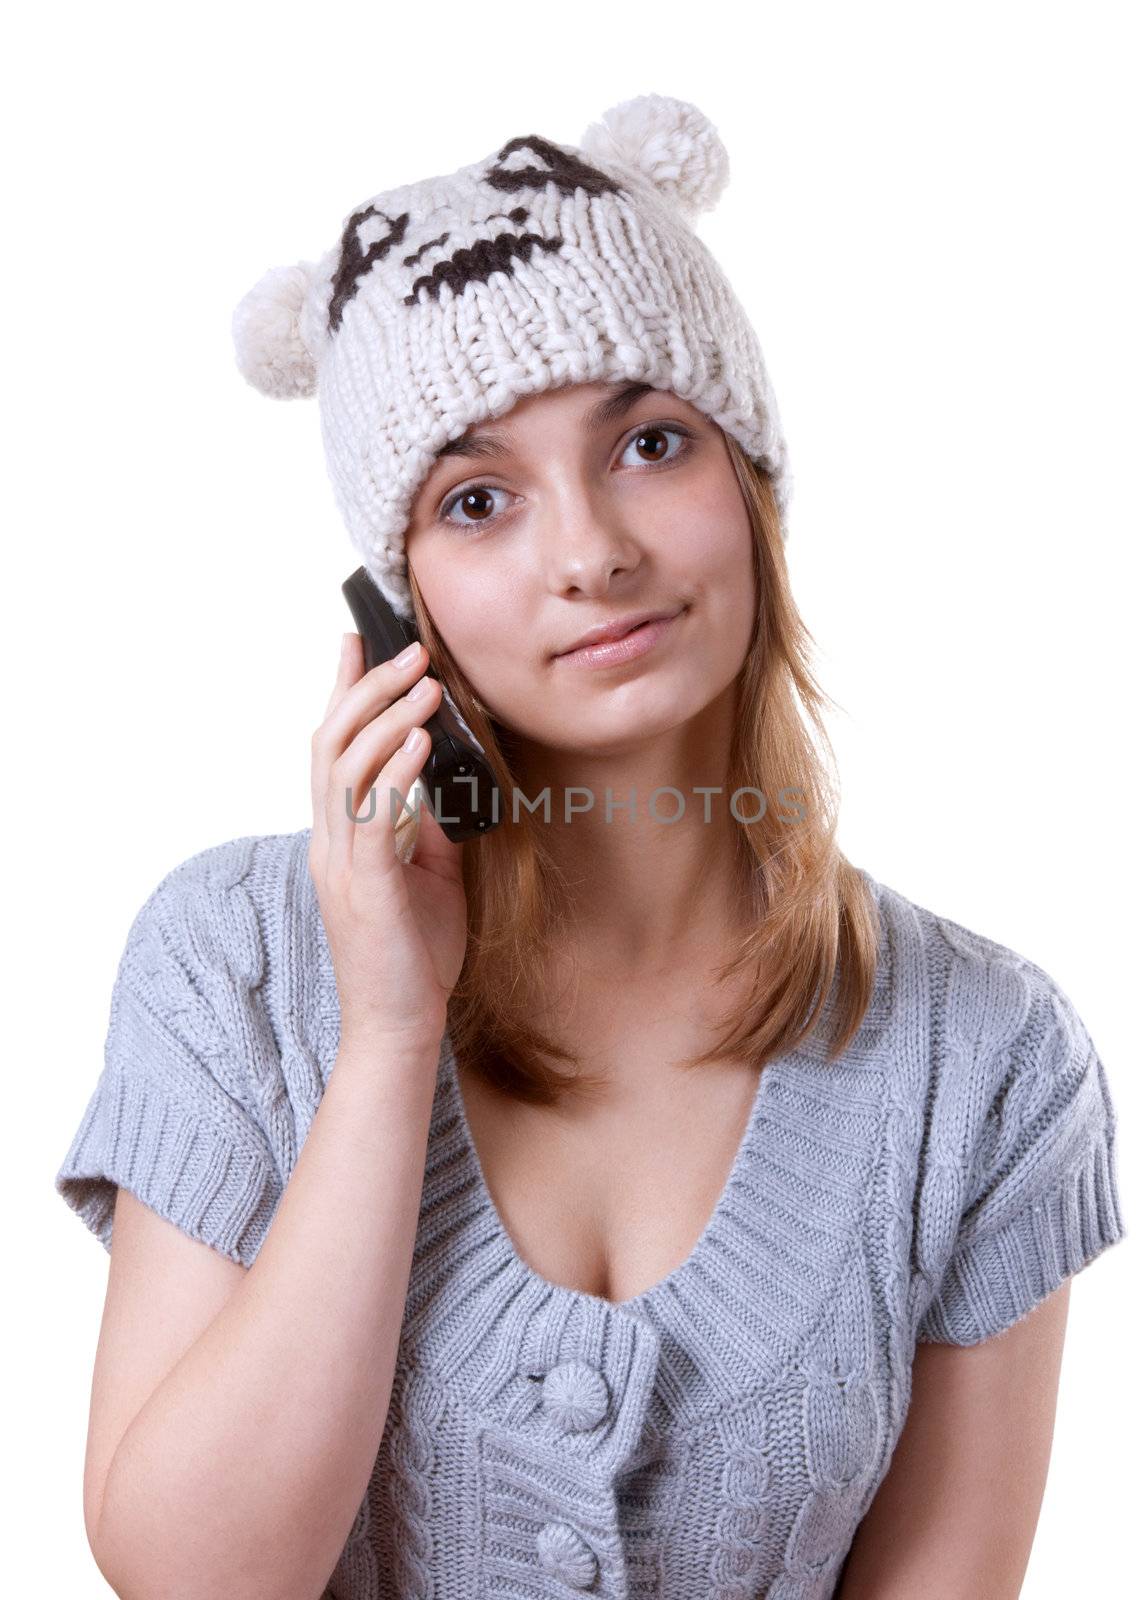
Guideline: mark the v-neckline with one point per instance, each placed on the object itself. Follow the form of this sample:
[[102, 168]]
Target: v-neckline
[[778, 1153], [664, 1286], [819, 1151]]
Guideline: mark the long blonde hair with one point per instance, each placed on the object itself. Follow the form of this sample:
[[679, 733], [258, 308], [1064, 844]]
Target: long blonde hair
[[813, 925]]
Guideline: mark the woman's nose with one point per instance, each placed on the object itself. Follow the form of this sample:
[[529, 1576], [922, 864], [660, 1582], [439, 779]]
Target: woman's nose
[[585, 544]]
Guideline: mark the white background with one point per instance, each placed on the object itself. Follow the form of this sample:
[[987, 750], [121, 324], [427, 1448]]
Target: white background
[[933, 219]]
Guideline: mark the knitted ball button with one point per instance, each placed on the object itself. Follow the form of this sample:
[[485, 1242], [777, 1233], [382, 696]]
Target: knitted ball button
[[565, 1555], [575, 1396]]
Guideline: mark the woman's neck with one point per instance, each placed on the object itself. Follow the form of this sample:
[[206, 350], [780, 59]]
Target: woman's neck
[[652, 865]]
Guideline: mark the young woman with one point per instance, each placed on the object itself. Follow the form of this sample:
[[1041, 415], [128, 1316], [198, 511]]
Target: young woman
[[638, 1199]]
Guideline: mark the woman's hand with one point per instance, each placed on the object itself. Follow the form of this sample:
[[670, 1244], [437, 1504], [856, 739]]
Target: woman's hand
[[396, 930]]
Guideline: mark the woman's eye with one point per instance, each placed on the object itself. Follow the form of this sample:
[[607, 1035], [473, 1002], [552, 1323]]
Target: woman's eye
[[475, 497], [471, 498], [641, 439]]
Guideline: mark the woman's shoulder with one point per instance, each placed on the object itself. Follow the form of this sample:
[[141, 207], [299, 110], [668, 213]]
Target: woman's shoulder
[[1010, 1118], [229, 952], [213, 1058], [239, 904], [973, 986], [259, 865], [244, 913]]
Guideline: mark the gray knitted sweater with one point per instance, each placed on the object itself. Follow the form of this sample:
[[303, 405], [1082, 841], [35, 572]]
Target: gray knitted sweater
[[720, 1435]]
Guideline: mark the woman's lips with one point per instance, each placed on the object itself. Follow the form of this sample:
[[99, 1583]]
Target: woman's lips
[[636, 643]]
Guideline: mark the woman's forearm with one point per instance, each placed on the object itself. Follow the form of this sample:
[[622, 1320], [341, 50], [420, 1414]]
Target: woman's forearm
[[241, 1475]]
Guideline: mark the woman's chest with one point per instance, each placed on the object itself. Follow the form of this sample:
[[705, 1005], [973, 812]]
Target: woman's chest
[[723, 1432], [610, 1198]]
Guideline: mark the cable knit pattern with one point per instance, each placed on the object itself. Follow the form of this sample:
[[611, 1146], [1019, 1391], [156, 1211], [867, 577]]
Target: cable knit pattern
[[739, 1547], [721, 1434]]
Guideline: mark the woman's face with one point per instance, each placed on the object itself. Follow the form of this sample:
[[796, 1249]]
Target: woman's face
[[557, 517]]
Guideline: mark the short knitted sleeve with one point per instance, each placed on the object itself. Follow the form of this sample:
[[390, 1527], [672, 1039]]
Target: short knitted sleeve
[[190, 1067], [1038, 1192]]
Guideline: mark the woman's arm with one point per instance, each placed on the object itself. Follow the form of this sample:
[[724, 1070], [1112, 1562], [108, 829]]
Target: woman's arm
[[242, 1472], [955, 1515]]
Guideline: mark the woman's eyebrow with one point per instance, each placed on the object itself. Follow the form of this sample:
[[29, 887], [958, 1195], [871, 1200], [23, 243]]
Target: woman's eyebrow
[[488, 446]]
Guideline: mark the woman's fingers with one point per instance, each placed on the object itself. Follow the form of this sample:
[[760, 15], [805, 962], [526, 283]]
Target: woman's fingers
[[396, 934], [358, 696], [367, 694], [376, 759], [350, 668], [358, 747]]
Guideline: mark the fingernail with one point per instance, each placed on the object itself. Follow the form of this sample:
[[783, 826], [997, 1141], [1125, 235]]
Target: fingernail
[[406, 656], [346, 637]]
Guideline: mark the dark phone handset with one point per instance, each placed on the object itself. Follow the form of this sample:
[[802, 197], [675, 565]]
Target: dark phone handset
[[464, 808]]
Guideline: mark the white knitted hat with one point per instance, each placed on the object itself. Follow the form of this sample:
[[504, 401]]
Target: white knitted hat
[[446, 301]]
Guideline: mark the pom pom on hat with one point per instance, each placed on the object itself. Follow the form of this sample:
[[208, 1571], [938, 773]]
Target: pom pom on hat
[[266, 327], [669, 141]]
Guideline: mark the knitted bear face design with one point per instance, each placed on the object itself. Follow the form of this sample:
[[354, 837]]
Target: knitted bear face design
[[362, 246]]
